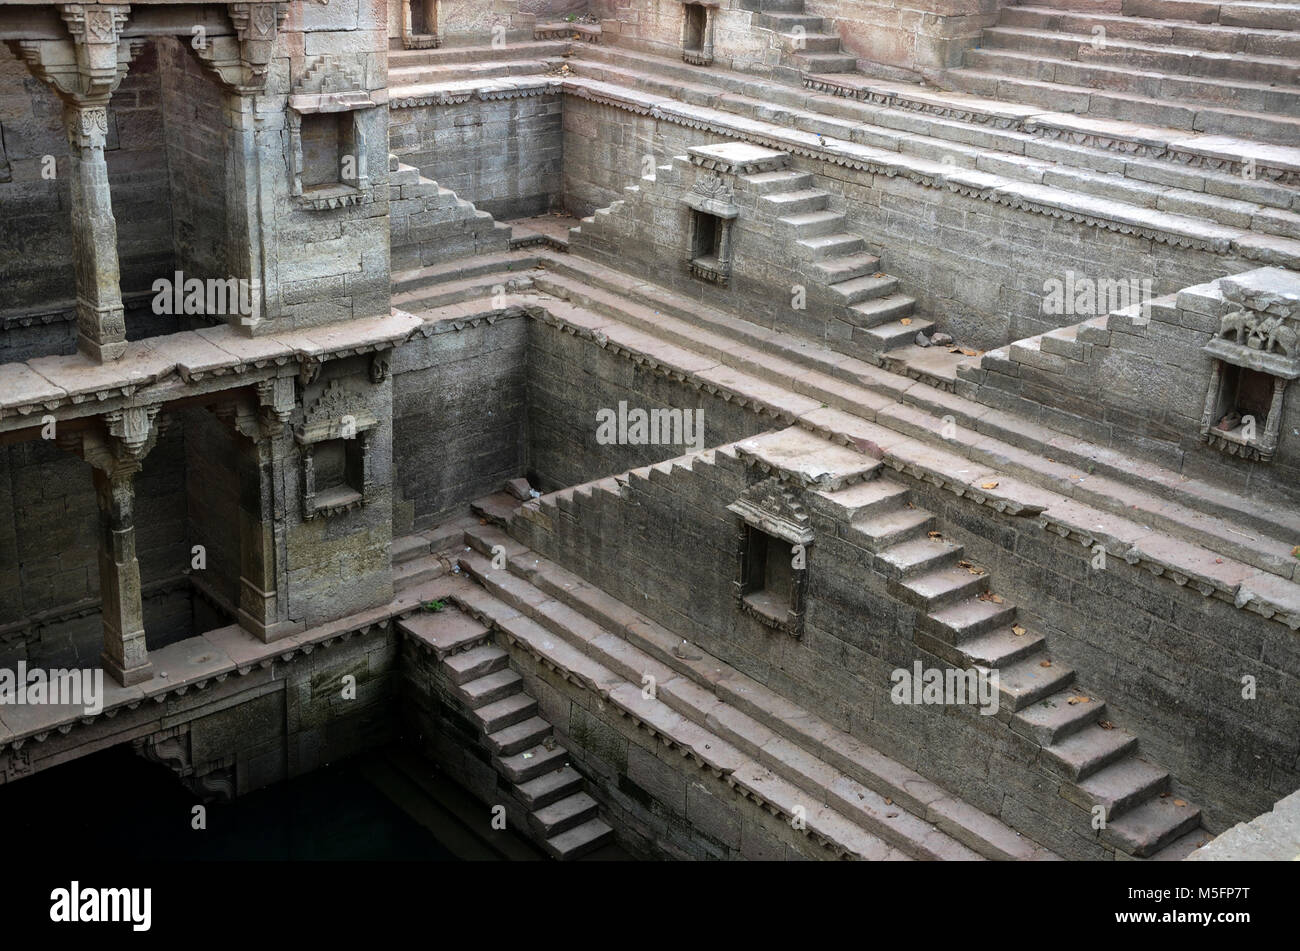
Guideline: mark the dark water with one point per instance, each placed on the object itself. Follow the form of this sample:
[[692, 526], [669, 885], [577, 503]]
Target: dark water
[[390, 804]]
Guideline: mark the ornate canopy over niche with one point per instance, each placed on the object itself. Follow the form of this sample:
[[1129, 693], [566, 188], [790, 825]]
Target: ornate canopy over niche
[[1254, 356], [334, 442]]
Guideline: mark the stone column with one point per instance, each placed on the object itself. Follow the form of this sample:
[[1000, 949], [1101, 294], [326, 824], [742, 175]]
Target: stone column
[[116, 450], [101, 319], [85, 70], [125, 655]]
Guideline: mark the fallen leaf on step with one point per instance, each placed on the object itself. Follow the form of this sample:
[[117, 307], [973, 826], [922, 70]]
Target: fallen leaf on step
[[1180, 802], [1106, 725], [971, 568], [1045, 663], [954, 349], [888, 801], [970, 353], [1018, 630], [1073, 700], [879, 274], [935, 534], [990, 596], [988, 485], [905, 321]]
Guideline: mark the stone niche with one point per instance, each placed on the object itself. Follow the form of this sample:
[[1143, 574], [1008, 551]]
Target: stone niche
[[712, 203], [697, 32], [419, 24], [775, 534], [334, 447], [329, 112], [1254, 358]]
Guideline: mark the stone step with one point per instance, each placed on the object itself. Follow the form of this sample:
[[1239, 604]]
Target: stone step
[[1152, 826], [1026, 681], [1082, 754], [421, 73], [519, 736], [417, 571], [846, 268], [863, 501], [812, 43], [477, 54], [879, 122], [861, 289], [407, 547], [1053, 718], [1237, 94], [1184, 34], [826, 62], [580, 840], [807, 199], [496, 716], [996, 649], [1119, 787], [885, 337], [1181, 847], [941, 586], [958, 622], [881, 530], [1061, 96], [873, 314], [531, 763], [1148, 57], [446, 631], [779, 182], [563, 814], [549, 787], [813, 224], [789, 21], [839, 244], [474, 663], [489, 688]]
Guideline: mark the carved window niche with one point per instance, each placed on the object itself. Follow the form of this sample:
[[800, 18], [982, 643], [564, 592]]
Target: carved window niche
[[419, 24], [697, 33], [334, 445], [772, 574], [327, 149], [712, 211], [1254, 357]]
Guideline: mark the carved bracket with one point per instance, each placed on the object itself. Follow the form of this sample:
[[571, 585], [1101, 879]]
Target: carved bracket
[[243, 61]]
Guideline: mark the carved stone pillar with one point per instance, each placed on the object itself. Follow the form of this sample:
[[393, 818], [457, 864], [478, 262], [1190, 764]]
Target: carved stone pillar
[[101, 319], [261, 446], [85, 70], [125, 654], [116, 454], [242, 63]]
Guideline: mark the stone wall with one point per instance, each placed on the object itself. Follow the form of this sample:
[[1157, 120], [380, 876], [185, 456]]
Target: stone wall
[[981, 270], [506, 156], [458, 419], [909, 34], [1136, 380], [1167, 661], [569, 381]]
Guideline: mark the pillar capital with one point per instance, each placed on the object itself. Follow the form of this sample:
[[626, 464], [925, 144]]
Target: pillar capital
[[243, 61], [118, 447], [87, 67]]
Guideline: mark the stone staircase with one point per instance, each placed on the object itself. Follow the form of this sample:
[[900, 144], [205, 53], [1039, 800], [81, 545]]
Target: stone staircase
[[811, 43], [855, 801], [961, 624], [477, 676], [966, 625], [429, 223], [833, 262], [1174, 64], [1216, 541]]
